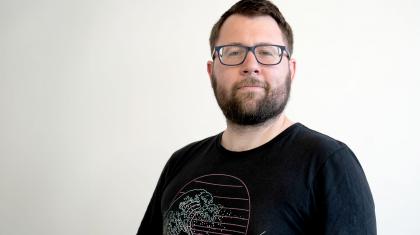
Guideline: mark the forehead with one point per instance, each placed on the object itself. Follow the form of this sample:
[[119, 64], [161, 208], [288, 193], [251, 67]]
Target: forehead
[[250, 31]]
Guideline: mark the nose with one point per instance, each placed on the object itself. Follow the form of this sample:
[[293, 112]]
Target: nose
[[250, 65]]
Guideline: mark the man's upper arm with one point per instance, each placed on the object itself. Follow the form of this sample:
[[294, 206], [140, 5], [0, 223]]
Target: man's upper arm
[[342, 196], [152, 221]]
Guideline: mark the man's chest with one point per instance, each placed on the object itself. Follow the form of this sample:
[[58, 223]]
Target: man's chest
[[222, 199]]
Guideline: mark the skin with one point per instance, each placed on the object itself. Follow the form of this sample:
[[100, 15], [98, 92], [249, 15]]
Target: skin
[[250, 31]]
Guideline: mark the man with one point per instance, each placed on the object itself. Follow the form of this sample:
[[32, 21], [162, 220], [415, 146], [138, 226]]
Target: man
[[264, 174]]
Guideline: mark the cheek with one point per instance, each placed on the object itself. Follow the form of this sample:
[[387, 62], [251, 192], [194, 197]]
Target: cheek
[[278, 76], [224, 88], [225, 81]]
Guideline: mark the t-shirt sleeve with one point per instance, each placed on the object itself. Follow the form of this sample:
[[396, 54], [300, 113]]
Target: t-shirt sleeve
[[342, 197], [152, 220]]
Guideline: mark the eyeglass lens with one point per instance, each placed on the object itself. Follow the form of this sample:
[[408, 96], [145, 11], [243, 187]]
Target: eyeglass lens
[[234, 55]]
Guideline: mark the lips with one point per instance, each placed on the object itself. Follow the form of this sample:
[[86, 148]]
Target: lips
[[253, 89], [251, 83], [251, 86]]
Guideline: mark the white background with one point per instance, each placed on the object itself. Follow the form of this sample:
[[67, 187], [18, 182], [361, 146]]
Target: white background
[[96, 95]]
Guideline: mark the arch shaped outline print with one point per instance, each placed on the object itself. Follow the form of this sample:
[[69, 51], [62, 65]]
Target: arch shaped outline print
[[199, 205]]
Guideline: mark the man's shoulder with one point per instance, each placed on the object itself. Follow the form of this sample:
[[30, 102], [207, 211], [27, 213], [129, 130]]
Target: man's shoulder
[[198, 146], [314, 141], [321, 151], [203, 143]]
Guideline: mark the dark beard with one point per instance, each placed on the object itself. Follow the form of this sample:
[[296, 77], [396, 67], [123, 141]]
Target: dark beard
[[235, 109]]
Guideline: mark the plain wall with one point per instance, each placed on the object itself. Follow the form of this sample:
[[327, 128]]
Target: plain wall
[[96, 95]]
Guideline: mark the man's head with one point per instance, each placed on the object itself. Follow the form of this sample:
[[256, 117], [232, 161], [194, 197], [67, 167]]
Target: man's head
[[252, 8], [252, 68]]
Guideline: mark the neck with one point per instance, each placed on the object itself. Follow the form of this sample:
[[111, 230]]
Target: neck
[[241, 138]]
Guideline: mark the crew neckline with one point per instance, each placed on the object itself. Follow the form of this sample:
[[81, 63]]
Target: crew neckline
[[259, 148]]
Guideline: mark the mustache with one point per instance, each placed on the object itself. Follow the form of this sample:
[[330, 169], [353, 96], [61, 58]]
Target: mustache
[[251, 81]]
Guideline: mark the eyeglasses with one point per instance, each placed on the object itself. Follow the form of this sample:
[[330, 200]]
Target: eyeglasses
[[232, 55]]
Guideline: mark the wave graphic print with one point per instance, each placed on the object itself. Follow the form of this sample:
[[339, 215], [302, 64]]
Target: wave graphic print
[[210, 204]]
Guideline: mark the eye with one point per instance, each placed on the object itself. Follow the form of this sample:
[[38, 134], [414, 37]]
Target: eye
[[265, 53], [232, 51]]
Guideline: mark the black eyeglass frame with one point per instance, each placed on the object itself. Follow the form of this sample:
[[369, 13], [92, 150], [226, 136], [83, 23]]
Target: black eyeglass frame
[[252, 49]]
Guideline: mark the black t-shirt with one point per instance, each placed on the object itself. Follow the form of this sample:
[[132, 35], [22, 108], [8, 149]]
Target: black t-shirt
[[300, 182]]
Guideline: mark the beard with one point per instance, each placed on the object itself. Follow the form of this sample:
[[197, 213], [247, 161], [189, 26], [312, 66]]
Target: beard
[[248, 108]]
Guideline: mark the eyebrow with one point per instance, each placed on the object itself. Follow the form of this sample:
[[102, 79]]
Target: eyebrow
[[258, 44]]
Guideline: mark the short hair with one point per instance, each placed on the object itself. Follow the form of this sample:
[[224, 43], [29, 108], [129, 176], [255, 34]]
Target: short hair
[[254, 8]]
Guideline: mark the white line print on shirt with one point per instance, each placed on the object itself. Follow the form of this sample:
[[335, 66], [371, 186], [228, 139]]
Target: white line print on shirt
[[195, 204], [210, 204]]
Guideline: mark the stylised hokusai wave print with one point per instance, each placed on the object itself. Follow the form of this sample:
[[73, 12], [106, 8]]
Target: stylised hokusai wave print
[[211, 204]]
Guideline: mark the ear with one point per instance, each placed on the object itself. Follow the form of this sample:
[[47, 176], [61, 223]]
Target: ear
[[209, 68], [292, 68]]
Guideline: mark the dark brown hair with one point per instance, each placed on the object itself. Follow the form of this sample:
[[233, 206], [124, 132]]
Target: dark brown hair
[[254, 8]]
